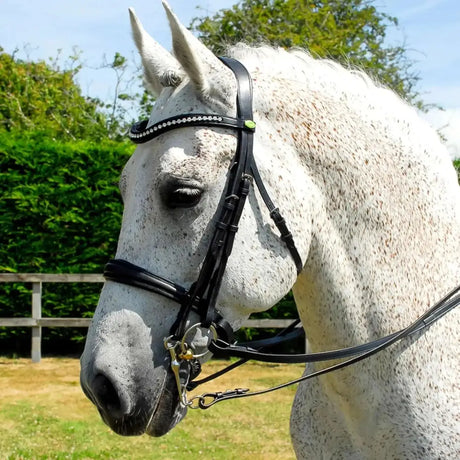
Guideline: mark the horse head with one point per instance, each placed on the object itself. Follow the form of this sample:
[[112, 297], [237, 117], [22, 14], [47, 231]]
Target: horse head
[[173, 190]]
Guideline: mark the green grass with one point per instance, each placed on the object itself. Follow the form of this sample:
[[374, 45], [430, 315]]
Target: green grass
[[44, 415]]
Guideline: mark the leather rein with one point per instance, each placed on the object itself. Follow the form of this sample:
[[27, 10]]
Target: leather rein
[[202, 295]]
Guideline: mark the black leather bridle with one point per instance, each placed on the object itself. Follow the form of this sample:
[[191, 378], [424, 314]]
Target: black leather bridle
[[202, 295]]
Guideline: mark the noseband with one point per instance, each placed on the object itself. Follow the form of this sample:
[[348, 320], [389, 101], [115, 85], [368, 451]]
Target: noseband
[[201, 296]]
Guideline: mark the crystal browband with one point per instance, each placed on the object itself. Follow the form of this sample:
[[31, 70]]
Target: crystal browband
[[140, 133]]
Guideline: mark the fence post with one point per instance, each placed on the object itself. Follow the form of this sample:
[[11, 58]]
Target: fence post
[[36, 314]]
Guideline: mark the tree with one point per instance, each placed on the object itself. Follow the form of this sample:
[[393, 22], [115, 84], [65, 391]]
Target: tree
[[349, 31], [60, 210], [126, 98], [40, 97]]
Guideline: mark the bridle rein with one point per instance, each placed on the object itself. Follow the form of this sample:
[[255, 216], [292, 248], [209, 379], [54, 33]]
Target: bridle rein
[[201, 297]]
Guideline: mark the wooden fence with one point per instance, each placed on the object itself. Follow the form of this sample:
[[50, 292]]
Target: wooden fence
[[36, 322]]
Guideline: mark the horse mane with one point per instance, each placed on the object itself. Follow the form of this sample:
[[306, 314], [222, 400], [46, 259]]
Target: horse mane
[[298, 64], [360, 93]]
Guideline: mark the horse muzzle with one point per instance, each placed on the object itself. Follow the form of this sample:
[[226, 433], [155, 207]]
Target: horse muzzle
[[151, 406]]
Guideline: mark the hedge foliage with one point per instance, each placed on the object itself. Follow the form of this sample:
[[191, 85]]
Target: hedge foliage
[[60, 212], [60, 209]]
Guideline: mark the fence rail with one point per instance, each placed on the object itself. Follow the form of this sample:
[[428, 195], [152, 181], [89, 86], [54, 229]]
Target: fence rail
[[36, 322]]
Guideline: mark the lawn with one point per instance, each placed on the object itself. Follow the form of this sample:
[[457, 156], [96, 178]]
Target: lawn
[[44, 415]]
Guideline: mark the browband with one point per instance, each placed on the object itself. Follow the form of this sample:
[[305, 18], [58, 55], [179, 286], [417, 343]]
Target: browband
[[140, 133]]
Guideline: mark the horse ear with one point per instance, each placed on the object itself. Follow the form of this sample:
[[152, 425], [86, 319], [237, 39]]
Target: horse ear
[[208, 74], [161, 68]]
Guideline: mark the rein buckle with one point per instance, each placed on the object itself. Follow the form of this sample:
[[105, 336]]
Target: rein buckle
[[206, 400]]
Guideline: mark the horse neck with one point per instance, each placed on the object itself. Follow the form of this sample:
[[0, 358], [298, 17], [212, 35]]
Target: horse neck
[[382, 245]]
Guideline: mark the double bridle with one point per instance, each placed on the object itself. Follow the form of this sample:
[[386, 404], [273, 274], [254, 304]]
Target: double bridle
[[201, 296]]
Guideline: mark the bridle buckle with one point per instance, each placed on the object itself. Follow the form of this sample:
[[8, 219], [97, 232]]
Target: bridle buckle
[[183, 352]]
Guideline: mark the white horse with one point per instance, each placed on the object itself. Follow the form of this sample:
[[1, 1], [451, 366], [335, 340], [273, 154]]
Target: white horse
[[373, 203]]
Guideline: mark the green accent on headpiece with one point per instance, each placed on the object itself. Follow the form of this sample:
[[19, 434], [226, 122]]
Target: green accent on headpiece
[[250, 124]]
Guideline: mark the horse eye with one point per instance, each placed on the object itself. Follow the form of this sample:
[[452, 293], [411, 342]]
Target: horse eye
[[184, 198], [181, 193]]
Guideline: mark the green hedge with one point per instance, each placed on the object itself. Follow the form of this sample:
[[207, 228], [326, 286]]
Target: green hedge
[[60, 212]]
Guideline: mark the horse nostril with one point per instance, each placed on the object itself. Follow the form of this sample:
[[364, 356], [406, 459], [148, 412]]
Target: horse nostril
[[106, 395]]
